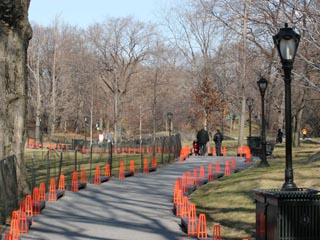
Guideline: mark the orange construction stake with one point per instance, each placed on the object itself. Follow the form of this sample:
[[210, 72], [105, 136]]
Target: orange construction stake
[[36, 201], [177, 187], [74, 182], [132, 169], [192, 219], [14, 227], [29, 207], [201, 172], [42, 192], [178, 204], [154, 162], [62, 185], [184, 207], [52, 191], [97, 179], [146, 165], [210, 172], [202, 227], [107, 171], [227, 169], [121, 170], [23, 222], [218, 167], [233, 163], [216, 233]]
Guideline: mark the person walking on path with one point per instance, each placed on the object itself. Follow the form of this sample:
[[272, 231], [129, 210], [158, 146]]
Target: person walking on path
[[203, 138], [279, 136], [218, 138]]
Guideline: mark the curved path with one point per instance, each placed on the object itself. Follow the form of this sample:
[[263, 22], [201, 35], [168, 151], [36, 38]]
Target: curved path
[[138, 207]]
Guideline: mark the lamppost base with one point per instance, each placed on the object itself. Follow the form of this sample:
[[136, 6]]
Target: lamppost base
[[289, 186], [263, 164]]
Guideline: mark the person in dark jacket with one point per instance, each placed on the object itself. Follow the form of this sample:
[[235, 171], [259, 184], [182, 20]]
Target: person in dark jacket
[[203, 138], [279, 136], [218, 138]]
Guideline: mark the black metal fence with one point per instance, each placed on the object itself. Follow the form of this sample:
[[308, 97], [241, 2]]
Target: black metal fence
[[43, 164], [8, 187]]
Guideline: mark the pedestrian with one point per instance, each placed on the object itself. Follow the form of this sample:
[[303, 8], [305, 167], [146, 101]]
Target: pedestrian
[[195, 148], [203, 138], [304, 133], [279, 136], [218, 138]]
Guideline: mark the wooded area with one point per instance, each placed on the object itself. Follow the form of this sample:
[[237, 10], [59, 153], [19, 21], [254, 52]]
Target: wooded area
[[202, 67], [200, 63]]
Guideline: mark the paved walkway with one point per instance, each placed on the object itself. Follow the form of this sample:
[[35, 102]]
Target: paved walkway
[[138, 207]]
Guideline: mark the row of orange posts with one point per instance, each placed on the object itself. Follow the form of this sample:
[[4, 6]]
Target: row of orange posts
[[197, 226], [121, 174], [184, 209], [34, 144], [32, 205], [214, 153], [123, 150]]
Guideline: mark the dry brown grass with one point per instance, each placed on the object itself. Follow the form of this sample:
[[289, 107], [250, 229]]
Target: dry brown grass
[[229, 201]]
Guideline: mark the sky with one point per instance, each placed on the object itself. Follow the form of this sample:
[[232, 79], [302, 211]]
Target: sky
[[82, 13]]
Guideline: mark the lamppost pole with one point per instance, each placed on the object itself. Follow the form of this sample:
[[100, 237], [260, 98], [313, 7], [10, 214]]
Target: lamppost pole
[[249, 104], [85, 131], [263, 83], [287, 42], [169, 116]]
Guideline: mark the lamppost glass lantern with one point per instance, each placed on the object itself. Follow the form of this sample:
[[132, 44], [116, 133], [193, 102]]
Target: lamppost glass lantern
[[263, 84], [287, 42]]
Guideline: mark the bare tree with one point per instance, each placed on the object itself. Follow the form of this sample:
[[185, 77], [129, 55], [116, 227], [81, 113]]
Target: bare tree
[[195, 34], [120, 46]]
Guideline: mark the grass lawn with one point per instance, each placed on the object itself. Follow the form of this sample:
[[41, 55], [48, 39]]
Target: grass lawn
[[229, 201]]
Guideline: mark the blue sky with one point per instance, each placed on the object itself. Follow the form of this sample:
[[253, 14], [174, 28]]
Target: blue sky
[[85, 12]]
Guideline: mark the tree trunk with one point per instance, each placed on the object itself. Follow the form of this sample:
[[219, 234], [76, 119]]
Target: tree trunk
[[54, 83], [297, 118], [244, 76], [15, 33]]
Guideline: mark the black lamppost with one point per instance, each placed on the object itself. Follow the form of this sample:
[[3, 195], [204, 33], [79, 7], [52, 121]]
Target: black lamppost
[[287, 42], [169, 116], [85, 130], [263, 83], [249, 102], [40, 130]]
